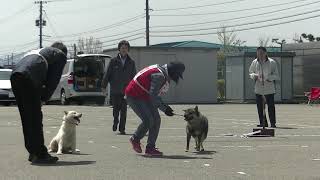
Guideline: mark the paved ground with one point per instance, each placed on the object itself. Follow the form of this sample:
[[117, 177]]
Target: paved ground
[[292, 154]]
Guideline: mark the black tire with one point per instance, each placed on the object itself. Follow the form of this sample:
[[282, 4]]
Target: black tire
[[100, 102], [63, 98], [6, 103], [80, 102]]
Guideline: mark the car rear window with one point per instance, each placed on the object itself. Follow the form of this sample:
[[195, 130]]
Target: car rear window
[[5, 75]]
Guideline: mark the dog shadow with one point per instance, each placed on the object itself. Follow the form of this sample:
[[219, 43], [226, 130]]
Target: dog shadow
[[174, 157], [204, 152], [67, 163], [76, 154], [286, 128], [127, 134]]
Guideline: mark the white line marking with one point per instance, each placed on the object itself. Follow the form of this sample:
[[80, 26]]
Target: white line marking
[[114, 147], [241, 173], [90, 142], [206, 165], [315, 159]]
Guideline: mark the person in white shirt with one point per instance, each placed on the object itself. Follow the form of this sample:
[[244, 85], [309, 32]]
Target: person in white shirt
[[264, 72]]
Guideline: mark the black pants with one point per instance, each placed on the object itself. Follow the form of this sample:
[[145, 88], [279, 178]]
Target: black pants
[[119, 107], [29, 104], [271, 108]]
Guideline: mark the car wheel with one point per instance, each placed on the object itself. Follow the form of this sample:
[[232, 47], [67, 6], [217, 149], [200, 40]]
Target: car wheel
[[63, 98], [100, 102]]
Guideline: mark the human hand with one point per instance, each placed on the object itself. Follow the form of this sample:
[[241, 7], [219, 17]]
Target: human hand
[[104, 91], [169, 111]]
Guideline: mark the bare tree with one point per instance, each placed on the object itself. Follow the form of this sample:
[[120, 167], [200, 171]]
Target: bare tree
[[89, 45], [264, 41], [230, 44], [297, 38], [229, 40]]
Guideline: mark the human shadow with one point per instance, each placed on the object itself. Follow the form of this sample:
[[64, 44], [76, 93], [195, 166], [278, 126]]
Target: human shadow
[[174, 157], [286, 128], [66, 163], [205, 152]]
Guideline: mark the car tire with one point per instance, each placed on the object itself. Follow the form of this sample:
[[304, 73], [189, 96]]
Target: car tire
[[100, 102], [63, 98]]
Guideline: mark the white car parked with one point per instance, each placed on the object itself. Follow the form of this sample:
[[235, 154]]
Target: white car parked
[[6, 95], [81, 80]]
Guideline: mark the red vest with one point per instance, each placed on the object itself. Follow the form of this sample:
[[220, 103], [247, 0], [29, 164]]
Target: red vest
[[139, 86]]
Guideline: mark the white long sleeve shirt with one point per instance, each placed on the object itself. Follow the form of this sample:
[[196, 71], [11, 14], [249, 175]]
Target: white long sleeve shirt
[[265, 74]]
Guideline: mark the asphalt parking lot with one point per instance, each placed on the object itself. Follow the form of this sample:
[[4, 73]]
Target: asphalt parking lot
[[294, 152]]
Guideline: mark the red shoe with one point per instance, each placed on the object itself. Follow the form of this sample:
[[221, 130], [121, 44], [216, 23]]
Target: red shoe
[[153, 152], [135, 145]]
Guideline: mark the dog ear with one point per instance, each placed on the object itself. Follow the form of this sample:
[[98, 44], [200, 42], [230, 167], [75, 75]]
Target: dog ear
[[197, 111], [65, 112]]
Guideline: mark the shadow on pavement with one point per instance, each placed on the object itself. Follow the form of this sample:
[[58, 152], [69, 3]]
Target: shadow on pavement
[[174, 157], [285, 128], [67, 163], [205, 152]]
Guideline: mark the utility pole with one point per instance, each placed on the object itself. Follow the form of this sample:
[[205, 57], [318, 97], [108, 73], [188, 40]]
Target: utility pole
[[147, 23], [11, 59], [40, 22]]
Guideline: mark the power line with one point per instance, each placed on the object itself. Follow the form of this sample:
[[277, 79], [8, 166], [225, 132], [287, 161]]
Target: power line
[[123, 37], [52, 27], [201, 6], [241, 24], [20, 45], [114, 35], [22, 10], [104, 27], [88, 10], [140, 37], [241, 17], [231, 11], [243, 29]]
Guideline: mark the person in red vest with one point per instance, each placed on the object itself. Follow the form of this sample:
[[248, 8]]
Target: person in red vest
[[143, 95]]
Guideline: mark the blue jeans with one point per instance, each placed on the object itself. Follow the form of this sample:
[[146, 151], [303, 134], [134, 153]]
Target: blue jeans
[[150, 118]]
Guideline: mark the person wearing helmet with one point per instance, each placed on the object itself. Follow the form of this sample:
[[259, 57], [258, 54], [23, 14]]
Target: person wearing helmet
[[144, 97]]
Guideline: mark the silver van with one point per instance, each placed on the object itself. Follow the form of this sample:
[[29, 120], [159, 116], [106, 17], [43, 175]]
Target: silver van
[[81, 80]]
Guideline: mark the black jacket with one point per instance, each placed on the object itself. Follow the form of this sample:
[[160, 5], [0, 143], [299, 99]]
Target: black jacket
[[119, 76], [35, 68]]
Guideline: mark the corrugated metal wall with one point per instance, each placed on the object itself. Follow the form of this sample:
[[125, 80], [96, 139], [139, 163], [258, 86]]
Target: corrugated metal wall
[[239, 86], [200, 77], [306, 65]]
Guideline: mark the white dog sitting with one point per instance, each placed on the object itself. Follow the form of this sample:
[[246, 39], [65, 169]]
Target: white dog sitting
[[65, 140]]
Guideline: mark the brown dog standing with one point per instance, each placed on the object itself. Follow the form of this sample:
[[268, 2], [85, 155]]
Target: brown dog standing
[[197, 127]]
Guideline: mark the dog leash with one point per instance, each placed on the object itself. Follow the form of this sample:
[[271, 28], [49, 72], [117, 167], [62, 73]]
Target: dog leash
[[178, 114]]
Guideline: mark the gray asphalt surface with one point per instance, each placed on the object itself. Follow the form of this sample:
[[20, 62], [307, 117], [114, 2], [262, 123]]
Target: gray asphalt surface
[[292, 154]]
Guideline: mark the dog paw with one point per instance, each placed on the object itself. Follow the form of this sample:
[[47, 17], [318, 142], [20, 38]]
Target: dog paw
[[50, 150], [187, 150], [202, 150], [78, 150], [59, 153]]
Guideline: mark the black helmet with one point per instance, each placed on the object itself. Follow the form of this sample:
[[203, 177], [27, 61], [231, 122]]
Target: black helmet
[[175, 70]]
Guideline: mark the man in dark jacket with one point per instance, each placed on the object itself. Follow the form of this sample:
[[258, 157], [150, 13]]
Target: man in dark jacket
[[120, 71], [33, 81]]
